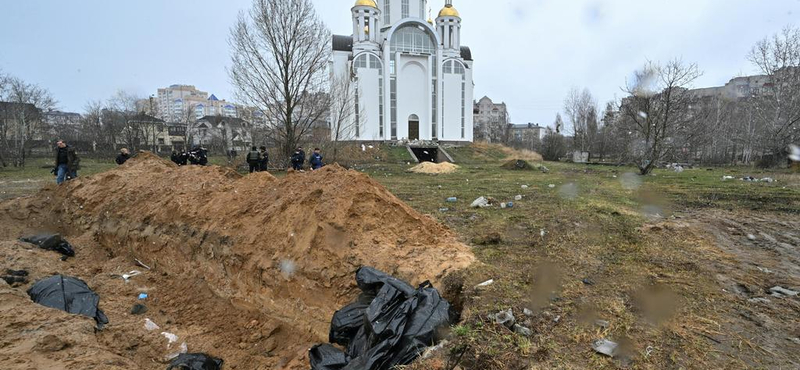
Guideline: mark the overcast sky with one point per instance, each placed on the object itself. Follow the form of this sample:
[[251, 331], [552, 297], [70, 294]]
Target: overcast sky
[[528, 53]]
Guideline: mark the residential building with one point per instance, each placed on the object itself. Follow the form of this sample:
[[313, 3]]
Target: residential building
[[528, 132], [491, 120], [221, 133], [739, 87], [413, 78], [185, 103]]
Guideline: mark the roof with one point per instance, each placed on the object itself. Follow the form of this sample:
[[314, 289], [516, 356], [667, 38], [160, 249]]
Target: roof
[[466, 53], [526, 126], [233, 121], [213, 98], [141, 117], [342, 43]]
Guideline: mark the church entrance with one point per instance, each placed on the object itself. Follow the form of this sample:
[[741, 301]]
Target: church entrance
[[413, 127]]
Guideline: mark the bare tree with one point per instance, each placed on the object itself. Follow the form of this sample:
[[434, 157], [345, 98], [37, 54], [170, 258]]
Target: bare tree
[[279, 59], [656, 110], [22, 120], [581, 107], [343, 109], [777, 107], [119, 120]]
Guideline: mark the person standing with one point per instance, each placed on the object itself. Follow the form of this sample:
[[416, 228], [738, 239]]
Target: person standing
[[316, 160], [124, 156], [264, 165], [67, 162], [298, 159], [254, 160]]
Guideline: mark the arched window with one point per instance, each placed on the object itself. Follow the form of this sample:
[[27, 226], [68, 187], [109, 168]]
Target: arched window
[[366, 60], [413, 39]]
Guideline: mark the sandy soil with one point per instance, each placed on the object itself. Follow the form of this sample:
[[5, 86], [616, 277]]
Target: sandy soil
[[434, 168], [248, 269]]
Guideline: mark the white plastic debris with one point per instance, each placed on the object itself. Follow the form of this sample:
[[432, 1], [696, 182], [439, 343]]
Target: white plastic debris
[[542, 233], [150, 325], [363, 148], [795, 153], [751, 237], [725, 178], [485, 283], [525, 186], [183, 349], [481, 202], [551, 186], [605, 347], [172, 338], [518, 198], [131, 274]]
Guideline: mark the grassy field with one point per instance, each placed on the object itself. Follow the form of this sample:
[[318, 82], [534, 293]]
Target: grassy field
[[19, 181], [667, 263]]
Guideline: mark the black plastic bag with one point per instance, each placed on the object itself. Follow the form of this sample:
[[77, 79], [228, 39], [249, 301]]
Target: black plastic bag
[[51, 242], [195, 361], [68, 294], [327, 357], [398, 323]]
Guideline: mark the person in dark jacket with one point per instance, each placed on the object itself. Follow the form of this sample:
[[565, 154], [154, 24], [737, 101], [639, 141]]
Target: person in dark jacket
[[67, 163], [263, 166], [124, 156], [198, 156], [254, 159], [316, 160], [298, 159]]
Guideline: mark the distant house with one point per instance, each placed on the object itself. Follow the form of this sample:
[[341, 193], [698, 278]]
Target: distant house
[[222, 133], [143, 131], [530, 131]]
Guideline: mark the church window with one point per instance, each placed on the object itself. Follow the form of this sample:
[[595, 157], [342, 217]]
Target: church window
[[406, 9], [413, 39], [422, 9], [387, 13]]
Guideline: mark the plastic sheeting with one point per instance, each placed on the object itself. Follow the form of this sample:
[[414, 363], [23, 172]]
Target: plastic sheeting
[[195, 361], [51, 242], [390, 324], [68, 294]]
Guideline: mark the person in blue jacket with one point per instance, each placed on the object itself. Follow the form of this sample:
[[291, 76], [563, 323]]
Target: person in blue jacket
[[316, 160]]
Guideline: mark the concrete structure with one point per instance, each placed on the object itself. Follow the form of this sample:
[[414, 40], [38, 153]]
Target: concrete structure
[[491, 120], [182, 103], [412, 78], [739, 87]]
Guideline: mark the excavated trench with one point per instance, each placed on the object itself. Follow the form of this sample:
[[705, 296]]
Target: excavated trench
[[248, 269]]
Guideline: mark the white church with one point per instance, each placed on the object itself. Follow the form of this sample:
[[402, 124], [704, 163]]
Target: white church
[[412, 77]]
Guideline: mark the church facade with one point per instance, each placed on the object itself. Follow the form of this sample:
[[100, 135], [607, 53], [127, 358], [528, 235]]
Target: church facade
[[410, 79]]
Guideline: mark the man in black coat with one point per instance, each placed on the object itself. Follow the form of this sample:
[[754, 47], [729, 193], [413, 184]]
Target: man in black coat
[[254, 159], [298, 158], [67, 162], [263, 166], [124, 156]]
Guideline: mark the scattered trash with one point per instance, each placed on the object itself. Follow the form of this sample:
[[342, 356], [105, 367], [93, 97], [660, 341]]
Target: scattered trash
[[725, 178], [525, 186], [505, 318], [141, 264], [181, 350], [605, 347], [542, 233], [150, 325], [602, 323], [751, 237], [783, 291], [551, 186], [521, 330], [131, 274], [795, 340], [527, 312], [557, 319], [588, 281], [288, 268], [443, 210], [51, 242], [510, 205], [68, 294], [485, 283], [195, 361], [452, 200], [518, 198], [764, 270], [395, 324], [795, 153], [138, 309], [502, 205], [481, 202], [172, 338], [432, 350], [678, 169], [143, 296], [768, 180], [759, 300], [544, 169]]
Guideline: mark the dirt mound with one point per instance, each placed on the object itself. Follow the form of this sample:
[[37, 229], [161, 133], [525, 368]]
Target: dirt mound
[[509, 153], [518, 165], [249, 269], [434, 168]]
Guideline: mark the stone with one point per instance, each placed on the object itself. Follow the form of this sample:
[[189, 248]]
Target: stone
[[602, 323], [521, 330], [783, 291], [759, 300], [527, 312]]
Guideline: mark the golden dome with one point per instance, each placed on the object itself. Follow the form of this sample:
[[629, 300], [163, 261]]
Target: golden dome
[[449, 11], [366, 3]]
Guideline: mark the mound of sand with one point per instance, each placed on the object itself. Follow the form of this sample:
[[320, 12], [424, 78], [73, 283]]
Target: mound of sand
[[523, 165], [434, 168], [249, 269], [510, 153]]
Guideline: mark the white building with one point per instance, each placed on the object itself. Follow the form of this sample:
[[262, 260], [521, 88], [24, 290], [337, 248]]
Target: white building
[[183, 103], [413, 77]]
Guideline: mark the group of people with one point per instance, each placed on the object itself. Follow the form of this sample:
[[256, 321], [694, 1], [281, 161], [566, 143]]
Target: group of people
[[298, 159], [198, 156], [258, 159]]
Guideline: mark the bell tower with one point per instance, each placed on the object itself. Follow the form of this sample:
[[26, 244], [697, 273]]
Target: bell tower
[[448, 25], [366, 25]]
